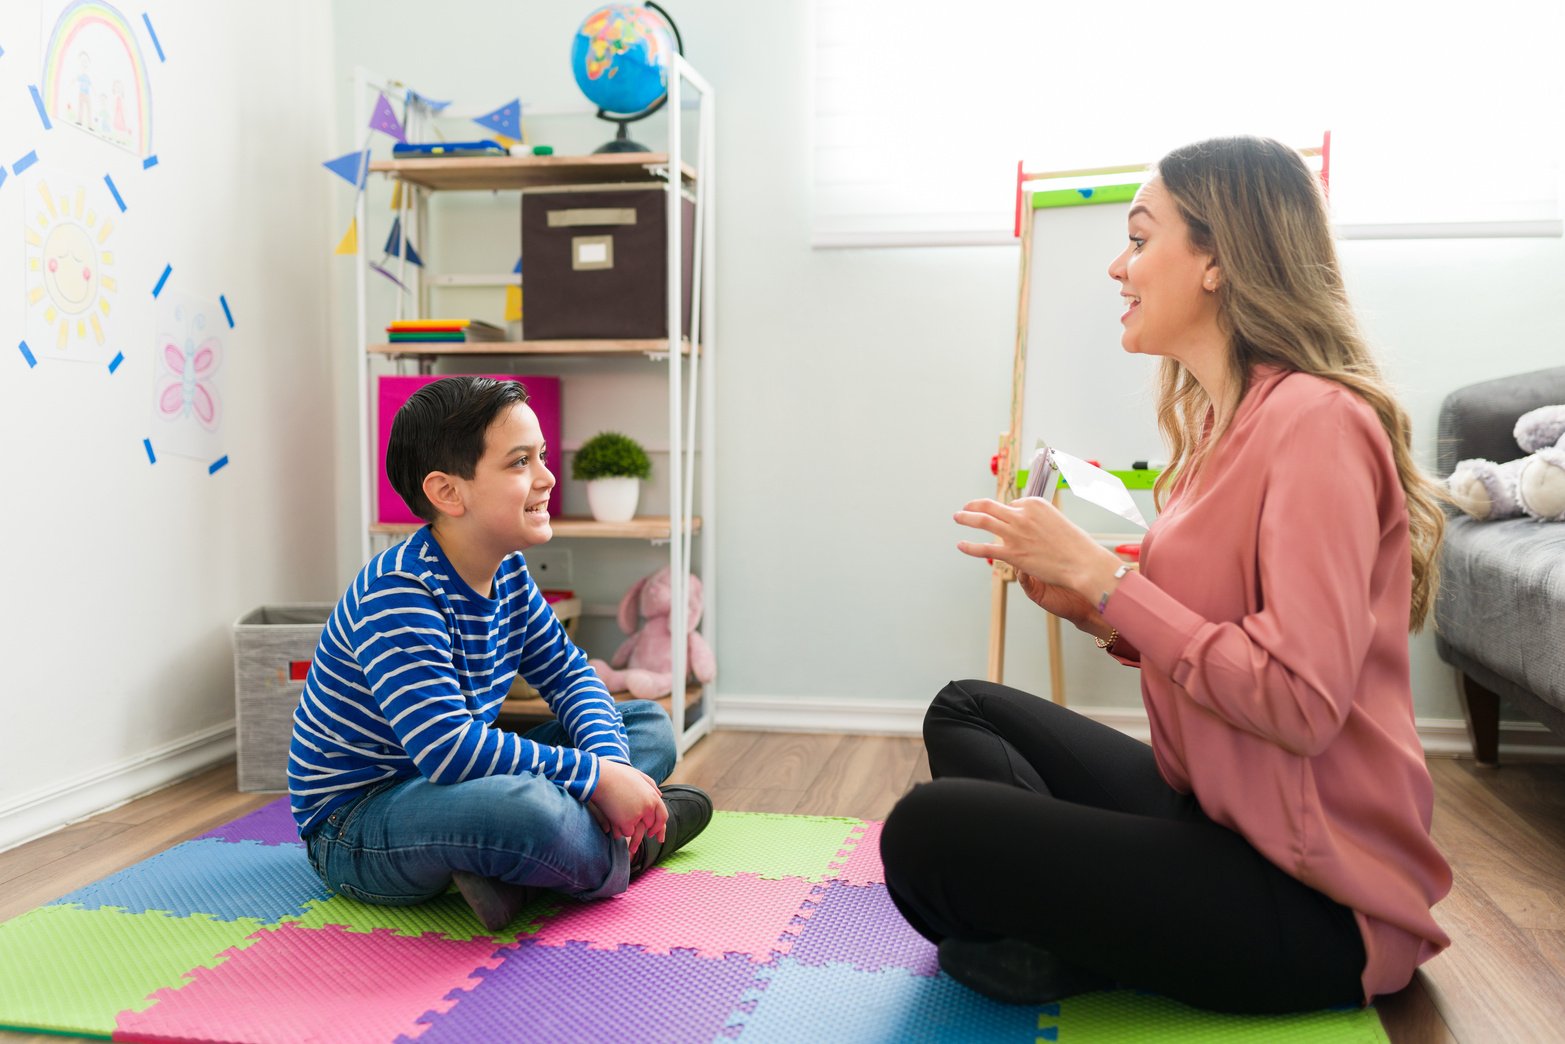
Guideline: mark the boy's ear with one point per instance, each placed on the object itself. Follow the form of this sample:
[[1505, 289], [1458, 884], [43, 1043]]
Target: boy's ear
[[444, 494]]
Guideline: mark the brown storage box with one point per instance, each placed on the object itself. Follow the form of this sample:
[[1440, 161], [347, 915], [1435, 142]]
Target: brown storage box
[[595, 262]]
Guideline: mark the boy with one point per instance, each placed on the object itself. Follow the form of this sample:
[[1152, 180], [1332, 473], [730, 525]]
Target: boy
[[399, 781]]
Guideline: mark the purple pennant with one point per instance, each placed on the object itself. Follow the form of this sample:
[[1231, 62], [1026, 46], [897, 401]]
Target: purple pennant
[[385, 120]]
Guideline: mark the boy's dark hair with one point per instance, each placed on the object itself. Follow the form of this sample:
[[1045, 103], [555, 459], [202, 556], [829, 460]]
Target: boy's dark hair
[[441, 428]]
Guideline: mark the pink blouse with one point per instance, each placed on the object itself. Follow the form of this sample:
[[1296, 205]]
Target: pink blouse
[[1270, 618]]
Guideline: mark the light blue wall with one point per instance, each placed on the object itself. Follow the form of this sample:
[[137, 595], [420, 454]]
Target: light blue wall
[[861, 392]]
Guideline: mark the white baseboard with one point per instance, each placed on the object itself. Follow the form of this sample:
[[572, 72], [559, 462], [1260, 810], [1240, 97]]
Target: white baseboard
[[60, 804], [1441, 737]]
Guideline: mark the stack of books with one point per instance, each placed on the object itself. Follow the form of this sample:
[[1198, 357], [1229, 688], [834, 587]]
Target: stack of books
[[437, 330]]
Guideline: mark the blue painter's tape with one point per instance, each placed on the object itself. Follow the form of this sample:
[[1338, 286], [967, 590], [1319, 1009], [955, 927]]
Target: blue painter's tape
[[114, 363], [154, 34], [149, 163], [23, 163], [162, 279], [119, 201], [43, 114], [27, 353], [2, 52], [216, 465], [3, 175], [226, 313], [146, 444]]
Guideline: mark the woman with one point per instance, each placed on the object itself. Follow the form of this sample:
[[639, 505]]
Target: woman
[[1270, 851]]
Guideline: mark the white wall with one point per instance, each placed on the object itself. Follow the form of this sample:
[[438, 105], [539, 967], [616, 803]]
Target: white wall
[[124, 576], [861, 392]]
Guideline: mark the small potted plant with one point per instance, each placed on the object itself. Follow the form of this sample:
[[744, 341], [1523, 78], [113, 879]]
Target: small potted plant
[[613, 466]]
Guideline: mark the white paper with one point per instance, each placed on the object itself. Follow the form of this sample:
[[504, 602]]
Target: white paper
[[1096, 486]]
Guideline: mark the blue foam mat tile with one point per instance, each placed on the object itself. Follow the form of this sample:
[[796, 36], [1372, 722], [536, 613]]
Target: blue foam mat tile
[[225, 880], [794, 1002]]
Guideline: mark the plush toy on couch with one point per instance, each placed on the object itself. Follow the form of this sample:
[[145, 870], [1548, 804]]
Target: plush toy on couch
[[647, 656], [1533, 485]]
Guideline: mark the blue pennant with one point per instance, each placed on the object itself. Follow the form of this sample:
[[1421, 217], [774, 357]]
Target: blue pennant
[[352, 168], [394, 244], [507, 119]]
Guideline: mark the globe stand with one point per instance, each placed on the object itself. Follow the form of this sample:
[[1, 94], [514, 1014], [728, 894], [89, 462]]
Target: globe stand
[[621, 142]]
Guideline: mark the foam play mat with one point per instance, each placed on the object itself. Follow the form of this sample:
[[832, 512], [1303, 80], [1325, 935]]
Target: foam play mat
[[765, 928]]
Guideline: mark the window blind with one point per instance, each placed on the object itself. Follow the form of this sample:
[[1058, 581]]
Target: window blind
[[1445, 117]]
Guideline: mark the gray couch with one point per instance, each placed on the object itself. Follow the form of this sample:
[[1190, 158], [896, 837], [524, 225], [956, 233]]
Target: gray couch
[[1500, 615]]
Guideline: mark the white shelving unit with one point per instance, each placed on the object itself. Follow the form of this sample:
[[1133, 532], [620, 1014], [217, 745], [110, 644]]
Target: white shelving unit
[[690, 375]]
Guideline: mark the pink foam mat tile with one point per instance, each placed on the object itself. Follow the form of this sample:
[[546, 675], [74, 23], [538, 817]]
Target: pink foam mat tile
[[859, 861], [709, 914], [293, 985]]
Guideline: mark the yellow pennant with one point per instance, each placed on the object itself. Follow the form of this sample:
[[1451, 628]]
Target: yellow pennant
[[513, 304], [350, 239], [396, 195]]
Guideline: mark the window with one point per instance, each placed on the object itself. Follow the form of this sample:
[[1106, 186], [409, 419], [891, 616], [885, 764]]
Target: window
[[1445, 118]]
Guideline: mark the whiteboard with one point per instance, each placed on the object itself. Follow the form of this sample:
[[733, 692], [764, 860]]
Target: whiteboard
[[1083, 393]]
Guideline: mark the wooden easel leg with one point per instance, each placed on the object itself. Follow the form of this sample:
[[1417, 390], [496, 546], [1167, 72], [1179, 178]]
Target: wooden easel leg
[[1056, 662], [997, 594]]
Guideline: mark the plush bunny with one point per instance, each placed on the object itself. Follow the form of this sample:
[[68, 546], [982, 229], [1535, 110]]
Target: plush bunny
[[1533, 485], [648, 654]]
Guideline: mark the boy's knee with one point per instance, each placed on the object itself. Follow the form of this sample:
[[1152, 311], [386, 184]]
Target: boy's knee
[[651, 734]]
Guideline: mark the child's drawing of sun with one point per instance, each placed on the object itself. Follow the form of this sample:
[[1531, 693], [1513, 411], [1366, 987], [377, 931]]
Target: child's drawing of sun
[[69, 268]]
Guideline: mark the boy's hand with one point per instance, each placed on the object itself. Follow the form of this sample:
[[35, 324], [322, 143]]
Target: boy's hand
[[628, 804]]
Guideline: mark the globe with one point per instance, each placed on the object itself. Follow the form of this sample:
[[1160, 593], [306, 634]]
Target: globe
[[621, 57]]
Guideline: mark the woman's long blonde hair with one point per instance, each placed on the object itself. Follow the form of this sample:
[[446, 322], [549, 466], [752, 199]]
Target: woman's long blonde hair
[[1258, 210]]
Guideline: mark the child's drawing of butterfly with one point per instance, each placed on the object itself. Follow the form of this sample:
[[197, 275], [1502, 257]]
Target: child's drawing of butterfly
[[188, 391]]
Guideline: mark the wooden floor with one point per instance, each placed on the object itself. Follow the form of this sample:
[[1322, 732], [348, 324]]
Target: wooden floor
[[1503, 979]]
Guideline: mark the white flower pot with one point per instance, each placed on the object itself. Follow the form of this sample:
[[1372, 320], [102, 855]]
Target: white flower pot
[[613, 499]]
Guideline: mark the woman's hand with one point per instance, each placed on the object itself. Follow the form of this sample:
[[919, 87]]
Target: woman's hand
[[1067, 567], [1061, 601]]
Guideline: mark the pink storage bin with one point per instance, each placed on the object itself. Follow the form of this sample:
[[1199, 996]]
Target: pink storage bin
[[543, 395]]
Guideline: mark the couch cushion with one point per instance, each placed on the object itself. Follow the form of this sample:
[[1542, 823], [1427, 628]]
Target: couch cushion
[[1502, 600]]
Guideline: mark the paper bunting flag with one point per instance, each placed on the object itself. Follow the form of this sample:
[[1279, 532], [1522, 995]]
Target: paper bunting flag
[[396, 195], [507, 119], [513, 304], [394, 244], [353, 167], [429, 103], [349, 244], [385, 121], [377, 268], [518, 269]]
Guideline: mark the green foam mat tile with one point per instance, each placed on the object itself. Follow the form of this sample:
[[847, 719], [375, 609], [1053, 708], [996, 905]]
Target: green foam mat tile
[[769, 846], [1127, 1017], [448, 915], [64, 969]]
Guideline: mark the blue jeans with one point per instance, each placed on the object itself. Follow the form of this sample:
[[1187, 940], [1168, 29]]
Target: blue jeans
[[397, 843]]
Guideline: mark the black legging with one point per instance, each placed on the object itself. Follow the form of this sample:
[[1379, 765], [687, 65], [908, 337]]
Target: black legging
[[1047, 826]]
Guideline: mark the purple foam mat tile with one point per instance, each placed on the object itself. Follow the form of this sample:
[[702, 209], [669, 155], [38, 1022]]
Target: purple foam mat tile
[[573, 992], [859, 925], [271, 824]]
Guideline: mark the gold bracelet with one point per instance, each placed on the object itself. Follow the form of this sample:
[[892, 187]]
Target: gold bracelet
[[1104, 643]]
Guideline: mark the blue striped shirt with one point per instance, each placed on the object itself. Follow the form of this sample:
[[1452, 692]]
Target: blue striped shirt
[[409, 676]]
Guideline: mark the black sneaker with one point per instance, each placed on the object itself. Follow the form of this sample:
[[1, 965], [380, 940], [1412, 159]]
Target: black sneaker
[[689, 811], [1014, 971], [495, 902]]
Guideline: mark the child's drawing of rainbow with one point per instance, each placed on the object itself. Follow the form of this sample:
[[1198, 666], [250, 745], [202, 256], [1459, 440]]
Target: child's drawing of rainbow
[[97, 28]]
